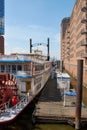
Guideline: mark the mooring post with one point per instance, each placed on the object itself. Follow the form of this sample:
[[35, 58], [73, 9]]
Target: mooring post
[[79, 94]]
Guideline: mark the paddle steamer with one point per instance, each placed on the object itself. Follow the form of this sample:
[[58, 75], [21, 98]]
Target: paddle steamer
[[22, 77]]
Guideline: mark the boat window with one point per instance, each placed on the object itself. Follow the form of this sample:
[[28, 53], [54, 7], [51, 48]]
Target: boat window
[[2, 68], [13, 68], [8, 68], [26, 67], [39, 67], [29, 66], [19, 67]]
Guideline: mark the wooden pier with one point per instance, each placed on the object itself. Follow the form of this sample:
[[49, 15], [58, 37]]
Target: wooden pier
[[49, 110]]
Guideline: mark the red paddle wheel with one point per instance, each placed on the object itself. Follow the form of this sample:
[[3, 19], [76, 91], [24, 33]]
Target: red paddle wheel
[[1, 97], [8, 93]]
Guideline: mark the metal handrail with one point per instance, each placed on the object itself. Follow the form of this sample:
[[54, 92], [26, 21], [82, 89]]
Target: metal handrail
[[24, 73], [14, 108], [4, 106]]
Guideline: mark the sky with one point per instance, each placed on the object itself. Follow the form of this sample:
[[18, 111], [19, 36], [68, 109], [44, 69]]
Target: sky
[[36, 19]]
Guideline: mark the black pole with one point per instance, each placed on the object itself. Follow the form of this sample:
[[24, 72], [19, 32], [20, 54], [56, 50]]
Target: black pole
[[48, 56], [79, 94], [30, 45]]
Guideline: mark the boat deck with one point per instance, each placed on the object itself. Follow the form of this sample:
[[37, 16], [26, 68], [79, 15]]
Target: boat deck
[[9, 114]]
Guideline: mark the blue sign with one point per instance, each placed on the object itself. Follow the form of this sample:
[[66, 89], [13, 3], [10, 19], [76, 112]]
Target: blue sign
[[1, 17]]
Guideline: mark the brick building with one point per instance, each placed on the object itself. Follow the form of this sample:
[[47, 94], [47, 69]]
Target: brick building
[[74, 39]]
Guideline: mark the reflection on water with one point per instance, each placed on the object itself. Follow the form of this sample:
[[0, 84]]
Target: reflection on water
[[53, 127]]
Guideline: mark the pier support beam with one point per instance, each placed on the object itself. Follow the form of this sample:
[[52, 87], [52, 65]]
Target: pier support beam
[[79, 94]]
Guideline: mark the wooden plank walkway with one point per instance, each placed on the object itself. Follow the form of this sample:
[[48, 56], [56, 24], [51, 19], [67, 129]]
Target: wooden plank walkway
[[50, 92], [50, 108]]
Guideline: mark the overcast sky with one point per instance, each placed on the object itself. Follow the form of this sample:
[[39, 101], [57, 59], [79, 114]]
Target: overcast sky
[[36, 19]]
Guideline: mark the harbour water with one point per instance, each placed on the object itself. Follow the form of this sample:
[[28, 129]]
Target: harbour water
[[55, 127]]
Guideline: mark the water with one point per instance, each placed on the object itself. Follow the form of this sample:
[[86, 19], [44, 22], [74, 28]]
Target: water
[[55, 127]]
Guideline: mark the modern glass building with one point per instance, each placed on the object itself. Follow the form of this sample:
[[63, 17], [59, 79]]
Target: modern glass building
[[1, 17]]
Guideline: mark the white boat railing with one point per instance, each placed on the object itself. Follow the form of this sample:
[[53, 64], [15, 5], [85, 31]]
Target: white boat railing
[[6, 110], [4, 106], [24, 73]]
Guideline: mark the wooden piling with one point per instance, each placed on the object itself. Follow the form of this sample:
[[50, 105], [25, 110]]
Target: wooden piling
[[79, 94]]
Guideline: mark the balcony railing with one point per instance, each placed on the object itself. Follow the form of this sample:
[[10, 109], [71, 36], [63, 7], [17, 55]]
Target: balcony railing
[[84, 9], [68, 47], [84, 21], [68, 37], [68, 31], [84, 32], [68, 53], [84, 55], [84, 44]]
